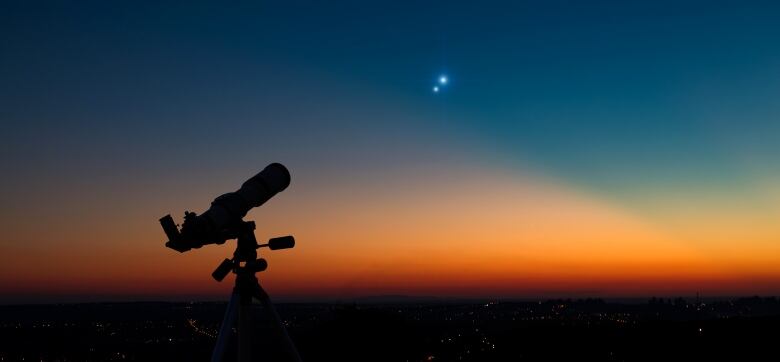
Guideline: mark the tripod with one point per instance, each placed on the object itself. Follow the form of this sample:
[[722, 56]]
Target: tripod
[[245, 265]]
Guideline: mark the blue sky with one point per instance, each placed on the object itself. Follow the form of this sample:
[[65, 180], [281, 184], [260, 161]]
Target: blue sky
[[596, 92]]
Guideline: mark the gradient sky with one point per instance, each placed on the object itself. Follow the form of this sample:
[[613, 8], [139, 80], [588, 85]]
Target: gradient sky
[[600, 148]]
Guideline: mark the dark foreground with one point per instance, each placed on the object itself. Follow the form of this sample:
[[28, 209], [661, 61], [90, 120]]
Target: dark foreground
[[741, 329]]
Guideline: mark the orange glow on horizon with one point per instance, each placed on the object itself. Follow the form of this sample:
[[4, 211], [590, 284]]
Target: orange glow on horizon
[[465, 233]]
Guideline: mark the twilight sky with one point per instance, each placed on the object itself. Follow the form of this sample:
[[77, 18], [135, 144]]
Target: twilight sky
[[592, 148]]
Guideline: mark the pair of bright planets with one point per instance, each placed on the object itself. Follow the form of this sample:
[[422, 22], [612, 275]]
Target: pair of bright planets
[[441, 82]]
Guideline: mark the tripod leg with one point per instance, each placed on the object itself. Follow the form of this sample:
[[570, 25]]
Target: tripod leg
[[262, 296], [244, 327], [225, 330]]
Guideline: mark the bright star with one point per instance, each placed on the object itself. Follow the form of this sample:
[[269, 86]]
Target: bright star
[[435, 89], [443, 80]]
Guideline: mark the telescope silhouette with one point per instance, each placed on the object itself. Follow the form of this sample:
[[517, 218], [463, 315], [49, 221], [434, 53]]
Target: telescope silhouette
[[224, 221]]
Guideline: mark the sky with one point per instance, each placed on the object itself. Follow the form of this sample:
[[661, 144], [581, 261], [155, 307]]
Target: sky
[[600, 148]]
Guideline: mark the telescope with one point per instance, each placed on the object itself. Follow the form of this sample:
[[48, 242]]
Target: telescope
[[222, 221]]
